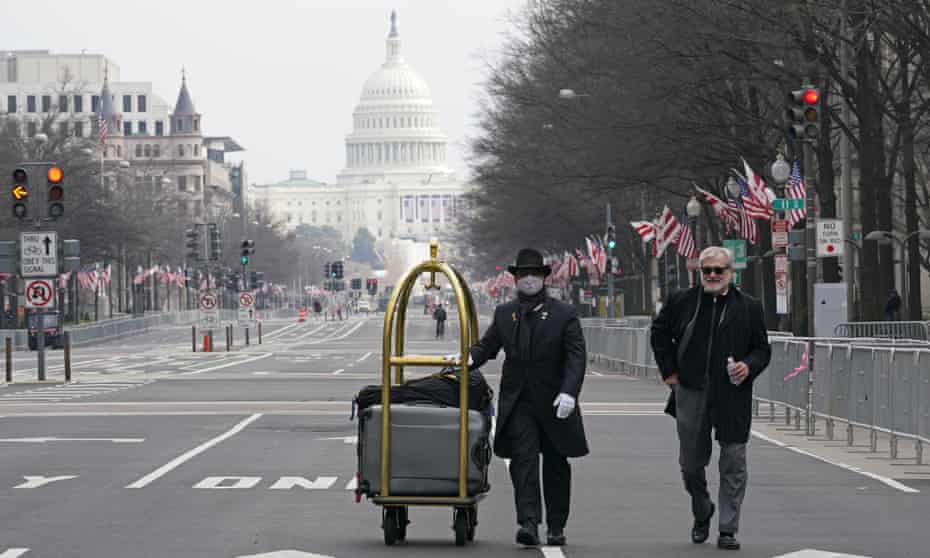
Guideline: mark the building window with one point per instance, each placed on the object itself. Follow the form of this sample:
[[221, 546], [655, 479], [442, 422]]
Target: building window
[[95, 103], [30, 103], [182, 183], [180, 151], [79, 129], [380, 234], [127, 103], [127, 128], [140, 103], [11, 104], [79, 103], [179, 124], [143, 127], [156, 150], [196, 150], [196, 124], [313, 216], [339, 217], [139, 150], [62, 103], [119, 151], [423, 208], [196, 182], [46, 103], [31, 128], [63, 129], [148, 150], [159, 128], [379, 214]]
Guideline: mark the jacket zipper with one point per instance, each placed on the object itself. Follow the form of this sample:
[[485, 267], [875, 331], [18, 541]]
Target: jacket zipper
[[710, 342]]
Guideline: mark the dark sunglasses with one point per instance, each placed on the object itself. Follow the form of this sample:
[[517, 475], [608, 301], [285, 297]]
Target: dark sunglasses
[[717, 270]]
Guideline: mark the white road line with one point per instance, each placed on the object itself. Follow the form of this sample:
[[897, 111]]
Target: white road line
[[344, 335], [311, 332], [340, 371], [227, 365], [595, 372], [365, 356], [551, 552], [279, 331], [14, 552], [46, 439], [178, 461], [888, 481]]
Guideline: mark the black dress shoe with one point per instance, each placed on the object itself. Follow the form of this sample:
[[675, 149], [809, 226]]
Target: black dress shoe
[[528, 534], [701, 529], [556, 537], [726, 541]]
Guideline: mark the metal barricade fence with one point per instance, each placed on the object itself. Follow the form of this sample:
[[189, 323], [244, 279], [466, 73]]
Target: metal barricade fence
[[894, 330], [880, 385]]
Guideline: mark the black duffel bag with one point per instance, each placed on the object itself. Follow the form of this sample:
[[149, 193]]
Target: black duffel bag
[[440, 389]]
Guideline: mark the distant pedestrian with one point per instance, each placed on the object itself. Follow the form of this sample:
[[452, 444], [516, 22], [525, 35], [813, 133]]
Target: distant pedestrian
[[710, 344], [439, 314], [892, 306]]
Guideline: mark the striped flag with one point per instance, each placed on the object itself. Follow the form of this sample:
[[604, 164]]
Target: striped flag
[[761, 196], [645, 229], [102, 126], [686, 246], [796, 189], [667, 230], [721, 209], [756, 208], [745, 225]]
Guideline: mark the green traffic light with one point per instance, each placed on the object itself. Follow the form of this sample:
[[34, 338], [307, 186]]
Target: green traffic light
[[244, 260], [612, 244]]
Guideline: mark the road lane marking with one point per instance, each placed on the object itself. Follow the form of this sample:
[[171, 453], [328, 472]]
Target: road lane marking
[[14, 552], [227, 365], [37, 481], [178, 461], [885, 480], [337, 336], [340, 371], [365, 356], [45, 439], [551, 552], [279, 331]]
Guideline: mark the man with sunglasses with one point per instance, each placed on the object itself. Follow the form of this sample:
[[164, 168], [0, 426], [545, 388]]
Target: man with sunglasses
[[710, 344], [540, 384]]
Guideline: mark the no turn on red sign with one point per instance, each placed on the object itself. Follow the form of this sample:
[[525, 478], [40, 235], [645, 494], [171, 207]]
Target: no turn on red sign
[[246, 300], [829, 238], [40, 293]]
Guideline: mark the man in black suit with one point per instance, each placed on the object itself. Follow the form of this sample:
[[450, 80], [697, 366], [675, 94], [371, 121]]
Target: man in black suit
[[537, 410], [710, 344]]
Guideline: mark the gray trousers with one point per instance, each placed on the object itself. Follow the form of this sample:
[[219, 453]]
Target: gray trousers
[[694, 424]]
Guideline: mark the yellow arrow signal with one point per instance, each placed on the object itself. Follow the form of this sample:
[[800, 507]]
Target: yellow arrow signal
[[19, 192]]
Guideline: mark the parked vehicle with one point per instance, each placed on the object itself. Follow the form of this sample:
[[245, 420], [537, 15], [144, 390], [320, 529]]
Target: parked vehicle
[[54, 338]]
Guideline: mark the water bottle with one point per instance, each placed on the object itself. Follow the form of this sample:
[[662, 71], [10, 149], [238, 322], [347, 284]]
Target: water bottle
[[731, 370]]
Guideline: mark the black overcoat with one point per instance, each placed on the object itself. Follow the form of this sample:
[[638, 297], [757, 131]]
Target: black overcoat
[[555, 363], [741, 334]]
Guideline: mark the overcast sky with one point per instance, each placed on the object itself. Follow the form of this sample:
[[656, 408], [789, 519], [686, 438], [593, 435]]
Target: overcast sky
[[282, 77]]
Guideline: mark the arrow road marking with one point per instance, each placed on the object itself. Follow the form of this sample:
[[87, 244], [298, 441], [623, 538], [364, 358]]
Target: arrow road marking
[[44, 439]]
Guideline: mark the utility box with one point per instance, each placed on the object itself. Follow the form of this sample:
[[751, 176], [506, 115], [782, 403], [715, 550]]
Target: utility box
[[829, 308]]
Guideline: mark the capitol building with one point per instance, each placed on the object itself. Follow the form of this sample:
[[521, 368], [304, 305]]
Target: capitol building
[[396, 182]]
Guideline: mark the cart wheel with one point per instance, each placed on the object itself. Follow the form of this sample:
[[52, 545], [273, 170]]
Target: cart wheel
[[472, 524], [403, 521], [391, 524], [460, 524]]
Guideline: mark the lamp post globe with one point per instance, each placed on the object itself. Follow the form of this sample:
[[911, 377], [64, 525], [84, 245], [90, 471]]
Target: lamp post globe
[[693, 208], [781, 170]]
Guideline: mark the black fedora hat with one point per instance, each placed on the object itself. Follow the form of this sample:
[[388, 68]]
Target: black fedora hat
[[529, 260]]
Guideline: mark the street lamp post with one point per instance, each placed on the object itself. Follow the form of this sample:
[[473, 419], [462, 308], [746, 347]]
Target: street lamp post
[[781, 171], [694, 211]]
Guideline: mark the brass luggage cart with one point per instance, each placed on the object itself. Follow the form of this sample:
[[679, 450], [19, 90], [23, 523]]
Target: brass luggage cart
[[395, 508]]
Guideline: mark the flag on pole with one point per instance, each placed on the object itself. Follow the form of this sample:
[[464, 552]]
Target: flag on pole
[[760, 194], [645, 229], [756, 208], [667, 230], [746, 227], [102, 127], [798, 190], [686, 246]]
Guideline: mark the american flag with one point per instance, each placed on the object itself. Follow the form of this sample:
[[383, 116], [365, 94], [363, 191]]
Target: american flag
[[667, 230], [796, 189], [686, 245], [757, 208], [721, 209], [102, 125], [760, 195], [746, 226], [644, 229]]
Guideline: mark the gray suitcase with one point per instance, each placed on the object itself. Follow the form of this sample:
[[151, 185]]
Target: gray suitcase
[[424, 450]]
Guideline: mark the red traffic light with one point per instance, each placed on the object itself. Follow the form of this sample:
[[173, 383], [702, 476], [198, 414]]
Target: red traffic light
[[810, 96], [56, 193]]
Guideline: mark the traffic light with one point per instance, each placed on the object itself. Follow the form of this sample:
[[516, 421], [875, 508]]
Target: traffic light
[[248, 248], [328, 270], [804, 113], [20, 193], [611, 239], [337, 270], [253, 279], [357, 284], [216, 243], [56, 192], [192, 235], [371, 286]]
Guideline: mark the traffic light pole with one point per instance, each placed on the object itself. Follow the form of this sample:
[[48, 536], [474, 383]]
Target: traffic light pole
[[611, 313], [811, 218]]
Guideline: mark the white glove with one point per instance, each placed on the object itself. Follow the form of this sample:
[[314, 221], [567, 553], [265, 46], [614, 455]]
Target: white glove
[[456, 358], [564, 404]]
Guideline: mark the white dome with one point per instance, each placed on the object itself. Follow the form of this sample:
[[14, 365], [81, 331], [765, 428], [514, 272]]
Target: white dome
[[395, 81]]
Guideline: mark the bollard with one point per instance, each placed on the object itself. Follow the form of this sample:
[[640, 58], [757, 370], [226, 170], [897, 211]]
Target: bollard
[[210, 337], [67, 356], [206, 343], [227, 339], [9, 360], [259, 333], [194, 338], [246, 336]]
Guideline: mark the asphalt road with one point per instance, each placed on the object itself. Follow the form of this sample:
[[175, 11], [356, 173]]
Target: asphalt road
[[155, 451]]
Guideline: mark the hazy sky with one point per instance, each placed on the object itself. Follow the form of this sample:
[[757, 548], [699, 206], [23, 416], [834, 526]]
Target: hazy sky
[[282, 77]]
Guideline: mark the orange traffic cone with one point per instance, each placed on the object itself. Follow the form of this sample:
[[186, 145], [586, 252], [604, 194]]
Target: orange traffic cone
[[206, 344]]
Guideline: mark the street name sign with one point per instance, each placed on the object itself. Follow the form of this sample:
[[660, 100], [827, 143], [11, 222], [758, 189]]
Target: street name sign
[[829, 238], [40, 293], [787, 204], [38, 254]]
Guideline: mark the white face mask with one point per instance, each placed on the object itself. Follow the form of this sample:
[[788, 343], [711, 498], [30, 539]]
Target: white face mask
[[530, 285]]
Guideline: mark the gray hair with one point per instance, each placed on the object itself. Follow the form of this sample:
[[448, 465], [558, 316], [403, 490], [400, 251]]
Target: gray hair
[[717, 252]]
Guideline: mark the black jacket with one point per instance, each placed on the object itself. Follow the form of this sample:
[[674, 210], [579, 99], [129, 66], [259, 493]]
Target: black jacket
[[439, 314], [741, 334], [553, 363]]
